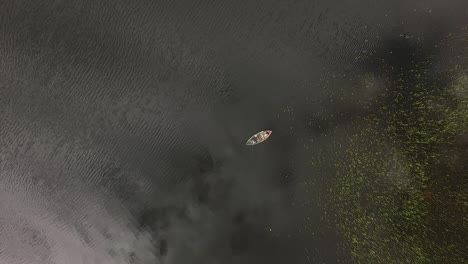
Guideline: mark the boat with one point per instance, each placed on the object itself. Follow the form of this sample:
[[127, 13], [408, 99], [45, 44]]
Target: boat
[[258, 138]]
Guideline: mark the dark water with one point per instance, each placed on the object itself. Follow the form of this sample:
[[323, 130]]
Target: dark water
[[123, 123]]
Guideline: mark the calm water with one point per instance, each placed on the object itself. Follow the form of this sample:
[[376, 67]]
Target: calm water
[[123, 125]]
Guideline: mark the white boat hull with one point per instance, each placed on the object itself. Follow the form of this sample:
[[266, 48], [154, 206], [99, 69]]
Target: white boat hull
[[258, 138]]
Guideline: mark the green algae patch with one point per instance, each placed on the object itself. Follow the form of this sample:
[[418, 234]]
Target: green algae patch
[[400, 194]]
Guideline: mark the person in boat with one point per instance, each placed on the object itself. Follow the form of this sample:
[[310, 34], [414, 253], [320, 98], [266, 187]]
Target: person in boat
[[254, 140], [262, 136]]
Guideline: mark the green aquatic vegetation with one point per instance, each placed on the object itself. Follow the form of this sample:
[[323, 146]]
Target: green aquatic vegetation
[[397, 196]]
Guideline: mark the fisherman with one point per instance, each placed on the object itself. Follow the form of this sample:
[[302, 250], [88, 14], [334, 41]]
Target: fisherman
[[254, 140]]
